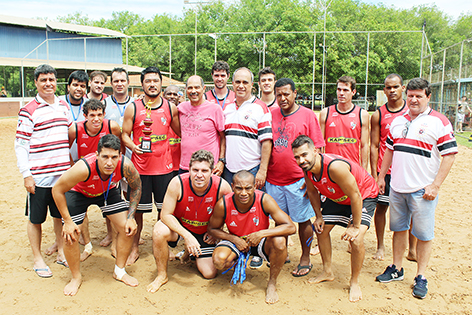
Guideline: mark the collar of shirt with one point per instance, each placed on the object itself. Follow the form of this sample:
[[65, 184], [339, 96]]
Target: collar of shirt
[[42, 101]]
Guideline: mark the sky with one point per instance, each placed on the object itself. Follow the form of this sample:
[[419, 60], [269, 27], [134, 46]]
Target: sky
[[97, 9]]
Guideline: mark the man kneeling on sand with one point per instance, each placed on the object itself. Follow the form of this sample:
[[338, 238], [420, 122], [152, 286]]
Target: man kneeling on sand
[[94, 180], [187, 207], [246, 214]]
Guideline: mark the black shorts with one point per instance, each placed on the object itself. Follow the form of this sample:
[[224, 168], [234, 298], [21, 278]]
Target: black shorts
[[383, 198], [207, 249], [336, 214], [37, 205], [153, 185], [78, 204], [254, 251]]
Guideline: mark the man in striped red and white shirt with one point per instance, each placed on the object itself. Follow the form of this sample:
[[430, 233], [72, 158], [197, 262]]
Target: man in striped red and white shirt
[[42, 150], [421, 149]]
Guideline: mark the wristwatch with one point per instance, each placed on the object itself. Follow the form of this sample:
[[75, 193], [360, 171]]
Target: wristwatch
[[222, 160]]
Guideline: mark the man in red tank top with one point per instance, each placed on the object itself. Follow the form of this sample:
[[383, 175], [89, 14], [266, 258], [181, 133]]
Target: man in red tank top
[[351, 196], [380, 128], [88, 133], [93, 180], [345, 126], [188, 204], [155, 168], [246, 215]]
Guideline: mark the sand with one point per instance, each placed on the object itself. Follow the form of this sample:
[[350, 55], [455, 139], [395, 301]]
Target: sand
[[449, 272]]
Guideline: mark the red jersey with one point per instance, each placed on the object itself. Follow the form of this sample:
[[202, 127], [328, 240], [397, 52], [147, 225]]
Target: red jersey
[[94, 185], [343, 132], [194, 211], [366, 183], [385, 119], [159, 161], [228, 99], [174, 143], [86, 143], [242, 224]]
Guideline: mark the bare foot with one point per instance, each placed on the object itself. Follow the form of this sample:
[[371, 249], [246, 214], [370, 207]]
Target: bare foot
[[411, 256], [72, 287], [51, 249], [85, 254], [157, 284], [355, 293], [324, 276], [271, 294], [106, 241], [127, 279], [132, 258], [171, 255], [379, 255], [315, 250]]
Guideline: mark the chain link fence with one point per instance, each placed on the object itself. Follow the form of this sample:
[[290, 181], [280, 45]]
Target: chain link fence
[[450, 73]]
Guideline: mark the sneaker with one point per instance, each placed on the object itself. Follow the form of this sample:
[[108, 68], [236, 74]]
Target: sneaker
[[390, 274], [420, 287], [256, 262]]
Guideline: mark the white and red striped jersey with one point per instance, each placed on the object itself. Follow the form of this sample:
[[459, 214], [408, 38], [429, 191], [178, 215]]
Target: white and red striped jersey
[[418, 145], [42, 141], [246, 127]]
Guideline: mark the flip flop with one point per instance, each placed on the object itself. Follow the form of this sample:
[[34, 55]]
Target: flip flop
[[38, 270], [62, 263], [300, 267]]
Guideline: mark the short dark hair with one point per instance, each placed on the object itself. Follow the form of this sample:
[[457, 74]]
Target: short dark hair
[[419, 84], [119, 70], [109, 141], [220, 65], [301, 140], [44, 69], [202, 156], [393, 76], [98, 73], [79, 75], [150, 70], [285, 81], [266, 70], [347, 80], [93, 104], [244, 174]]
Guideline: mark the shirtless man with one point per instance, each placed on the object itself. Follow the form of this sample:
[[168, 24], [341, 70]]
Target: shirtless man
[[351, 196], [197, 191], [83, 185], [246, 215]]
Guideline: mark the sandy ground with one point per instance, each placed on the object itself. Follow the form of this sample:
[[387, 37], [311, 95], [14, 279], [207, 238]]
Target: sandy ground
[[449, 272]]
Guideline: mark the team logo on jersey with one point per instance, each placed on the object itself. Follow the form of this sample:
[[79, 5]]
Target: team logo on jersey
[[387, 127], [209, 199], [233, 224], [256, 221], [353, 125], [19, 123], [331, 190], [190, 198], [252, 210], [83, 145], [163, 121], [323, 198], [187, 208], [332, 124], [324, 180], [209, 210]]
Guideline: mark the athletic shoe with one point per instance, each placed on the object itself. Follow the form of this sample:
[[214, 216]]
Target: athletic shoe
[[420, 287], [390, 274], [256, 262]]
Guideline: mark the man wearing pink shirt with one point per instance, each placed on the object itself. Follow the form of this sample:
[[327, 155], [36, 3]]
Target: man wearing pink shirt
[[202, 126]]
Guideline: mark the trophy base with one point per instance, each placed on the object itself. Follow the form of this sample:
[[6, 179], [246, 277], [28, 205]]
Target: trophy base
[[146, 146]]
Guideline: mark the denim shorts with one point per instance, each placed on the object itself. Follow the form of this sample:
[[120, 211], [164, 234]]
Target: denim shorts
[[291, 200], [406, 208]]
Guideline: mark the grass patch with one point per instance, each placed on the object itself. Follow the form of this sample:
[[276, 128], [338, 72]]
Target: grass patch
[[463, 139]]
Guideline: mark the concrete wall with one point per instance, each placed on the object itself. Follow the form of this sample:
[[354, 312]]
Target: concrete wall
[[10, 106]]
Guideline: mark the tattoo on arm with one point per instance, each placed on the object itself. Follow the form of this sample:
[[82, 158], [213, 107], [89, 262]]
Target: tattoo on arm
[[134, 187]]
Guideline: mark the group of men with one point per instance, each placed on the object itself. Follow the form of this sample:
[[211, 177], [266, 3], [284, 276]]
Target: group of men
[[228, 157]]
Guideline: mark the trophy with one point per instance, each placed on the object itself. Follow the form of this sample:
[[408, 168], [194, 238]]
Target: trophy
[[147, 130]]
